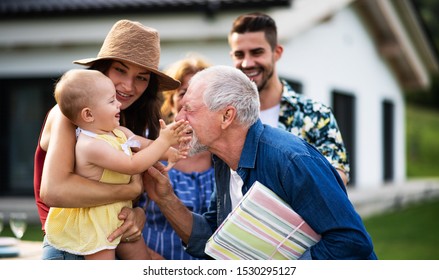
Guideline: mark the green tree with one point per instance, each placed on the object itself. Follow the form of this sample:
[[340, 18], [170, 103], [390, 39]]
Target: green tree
[[428, 11]]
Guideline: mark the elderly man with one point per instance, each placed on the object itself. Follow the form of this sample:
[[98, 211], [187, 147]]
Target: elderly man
[[222, 107]]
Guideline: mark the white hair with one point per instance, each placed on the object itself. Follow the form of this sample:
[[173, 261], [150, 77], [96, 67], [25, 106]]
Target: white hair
[[227, 86]]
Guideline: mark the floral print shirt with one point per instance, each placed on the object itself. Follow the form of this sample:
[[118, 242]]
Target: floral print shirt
[[315, 123]]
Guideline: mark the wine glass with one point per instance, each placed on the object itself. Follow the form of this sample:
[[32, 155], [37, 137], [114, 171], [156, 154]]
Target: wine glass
[[18, 223]]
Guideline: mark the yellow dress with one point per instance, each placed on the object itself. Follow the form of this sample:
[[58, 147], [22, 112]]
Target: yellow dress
[[84, 231]]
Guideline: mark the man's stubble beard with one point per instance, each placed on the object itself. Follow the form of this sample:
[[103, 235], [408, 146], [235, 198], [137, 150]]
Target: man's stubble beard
[[265, 81]]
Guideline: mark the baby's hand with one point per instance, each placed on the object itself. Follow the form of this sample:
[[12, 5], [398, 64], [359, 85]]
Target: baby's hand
[[175, 155], [175, 132]]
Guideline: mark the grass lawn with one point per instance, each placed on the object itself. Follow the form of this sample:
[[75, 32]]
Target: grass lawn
[[408, 234], [422, 146], [32, 233]]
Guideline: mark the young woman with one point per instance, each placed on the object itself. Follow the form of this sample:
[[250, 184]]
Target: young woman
[[130, 57]]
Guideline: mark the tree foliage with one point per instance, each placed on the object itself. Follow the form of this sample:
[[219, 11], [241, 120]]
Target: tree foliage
[[429, 13]]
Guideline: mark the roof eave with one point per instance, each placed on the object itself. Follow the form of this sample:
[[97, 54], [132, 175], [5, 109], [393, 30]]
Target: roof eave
[[23, 10], [401, 41]]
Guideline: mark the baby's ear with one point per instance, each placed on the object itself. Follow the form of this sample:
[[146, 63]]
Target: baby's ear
[[87, 115]]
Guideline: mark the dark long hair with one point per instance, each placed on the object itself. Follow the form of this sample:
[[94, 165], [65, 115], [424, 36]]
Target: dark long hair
[[144, 114]]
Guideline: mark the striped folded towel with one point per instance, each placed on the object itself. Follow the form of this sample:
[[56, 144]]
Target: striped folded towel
[[261, 227]]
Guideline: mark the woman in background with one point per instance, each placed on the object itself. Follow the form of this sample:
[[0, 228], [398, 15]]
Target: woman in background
[[192, 178]]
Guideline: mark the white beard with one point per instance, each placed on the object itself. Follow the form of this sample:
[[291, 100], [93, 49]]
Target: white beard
[[195, 146]]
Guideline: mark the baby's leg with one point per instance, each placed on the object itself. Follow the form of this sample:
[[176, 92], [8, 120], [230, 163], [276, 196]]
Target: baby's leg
[[133, 250], [109, 254]]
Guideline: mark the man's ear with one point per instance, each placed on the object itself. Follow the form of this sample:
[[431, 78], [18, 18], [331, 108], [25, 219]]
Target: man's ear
[[87, 115], [228, 116], [278, 50]]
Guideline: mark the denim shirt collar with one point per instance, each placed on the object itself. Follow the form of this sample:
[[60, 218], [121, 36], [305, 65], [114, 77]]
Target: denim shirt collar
[[248, 154], [247, 161]]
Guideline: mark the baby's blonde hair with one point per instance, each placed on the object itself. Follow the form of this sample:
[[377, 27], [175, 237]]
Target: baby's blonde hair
[[74, 91]]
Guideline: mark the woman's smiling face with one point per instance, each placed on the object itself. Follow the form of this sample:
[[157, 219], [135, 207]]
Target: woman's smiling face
[[130, 81]]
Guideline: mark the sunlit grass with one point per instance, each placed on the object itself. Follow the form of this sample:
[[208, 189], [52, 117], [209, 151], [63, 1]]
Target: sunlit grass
[[408, 234], [422, 144], [32, 233]]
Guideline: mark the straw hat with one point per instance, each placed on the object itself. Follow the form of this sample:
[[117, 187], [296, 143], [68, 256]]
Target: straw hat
[[133, 42]]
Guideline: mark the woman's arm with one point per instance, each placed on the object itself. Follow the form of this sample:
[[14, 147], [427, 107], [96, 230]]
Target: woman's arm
[[61, 187]]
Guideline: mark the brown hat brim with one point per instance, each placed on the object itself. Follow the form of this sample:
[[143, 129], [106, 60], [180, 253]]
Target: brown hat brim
[[165, 82]]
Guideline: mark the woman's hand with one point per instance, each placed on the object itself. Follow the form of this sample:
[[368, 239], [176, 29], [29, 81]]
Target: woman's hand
[[131, 229]]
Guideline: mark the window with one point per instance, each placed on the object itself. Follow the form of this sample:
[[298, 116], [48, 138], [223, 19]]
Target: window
[[388, 109], [295, 85], [344, 111], [24, 105]]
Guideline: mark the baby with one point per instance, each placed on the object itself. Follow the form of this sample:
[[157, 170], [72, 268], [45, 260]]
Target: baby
[[103, 152]]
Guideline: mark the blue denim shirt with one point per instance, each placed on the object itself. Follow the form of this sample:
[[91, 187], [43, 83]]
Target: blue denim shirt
[[304, 179]]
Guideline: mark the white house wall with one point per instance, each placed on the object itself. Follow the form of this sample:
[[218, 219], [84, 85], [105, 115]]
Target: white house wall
[[48, 48], [339, 54]]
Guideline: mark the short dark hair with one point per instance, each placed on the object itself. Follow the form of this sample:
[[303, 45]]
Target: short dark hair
[[255, 22]]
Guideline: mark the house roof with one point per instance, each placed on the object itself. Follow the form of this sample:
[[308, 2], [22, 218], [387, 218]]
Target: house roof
[[56, 8], [396, 26], [403, 40]]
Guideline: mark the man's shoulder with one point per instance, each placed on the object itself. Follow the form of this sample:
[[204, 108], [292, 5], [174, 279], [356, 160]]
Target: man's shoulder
[[295, 99], [293, 102], [280, 136]]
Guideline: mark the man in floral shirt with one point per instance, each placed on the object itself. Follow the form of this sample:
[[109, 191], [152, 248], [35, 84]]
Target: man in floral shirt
[[255, 51]]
